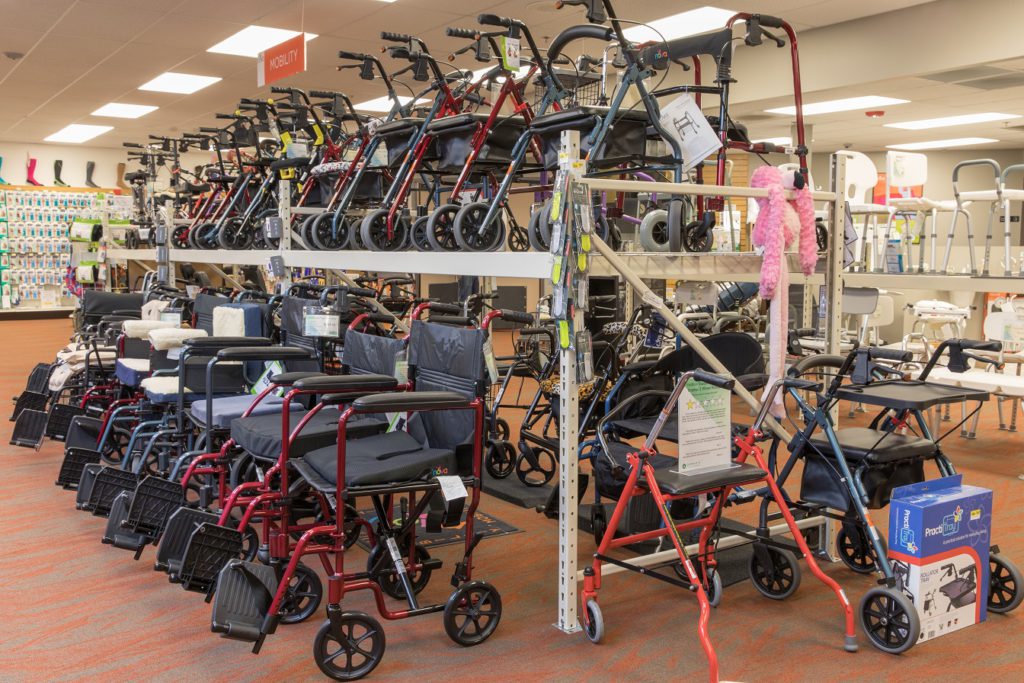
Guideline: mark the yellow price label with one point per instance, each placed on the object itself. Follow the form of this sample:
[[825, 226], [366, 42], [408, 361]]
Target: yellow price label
[[556, 270], [286, 138], [581, 261], [585, 242], [556, 202], [563, 334]]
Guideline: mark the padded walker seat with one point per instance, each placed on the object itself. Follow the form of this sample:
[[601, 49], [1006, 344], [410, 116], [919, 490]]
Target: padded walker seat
[[874, 446], [673, 483]]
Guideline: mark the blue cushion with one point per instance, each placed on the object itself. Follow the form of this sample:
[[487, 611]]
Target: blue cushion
[[130, 372]]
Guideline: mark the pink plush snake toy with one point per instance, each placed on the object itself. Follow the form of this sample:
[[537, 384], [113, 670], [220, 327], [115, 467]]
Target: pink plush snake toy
[[780, 223]]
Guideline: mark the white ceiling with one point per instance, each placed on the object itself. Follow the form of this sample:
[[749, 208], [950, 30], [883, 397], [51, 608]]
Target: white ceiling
[[81, 54]]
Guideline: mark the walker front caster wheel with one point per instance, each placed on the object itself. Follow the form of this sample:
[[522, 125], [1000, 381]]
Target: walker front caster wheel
[[855, 549], [500, 460], [593, 626], [353, 651], [303, 597], [889, 620], [535, 466], [1004, 594], [774, 572], [472, 613]]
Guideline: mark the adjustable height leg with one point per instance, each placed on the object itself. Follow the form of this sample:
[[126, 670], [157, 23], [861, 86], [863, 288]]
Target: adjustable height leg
[[949, 237], [986, 261]]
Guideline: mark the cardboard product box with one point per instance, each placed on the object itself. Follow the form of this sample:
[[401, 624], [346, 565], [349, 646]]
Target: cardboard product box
[[939, 539]]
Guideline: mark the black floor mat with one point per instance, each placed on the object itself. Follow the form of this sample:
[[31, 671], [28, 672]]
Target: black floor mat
[[511, 490]]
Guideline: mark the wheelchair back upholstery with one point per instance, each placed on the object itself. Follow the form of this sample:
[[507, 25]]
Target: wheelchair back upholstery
[[96, 304], [203, 310], [370, 354]]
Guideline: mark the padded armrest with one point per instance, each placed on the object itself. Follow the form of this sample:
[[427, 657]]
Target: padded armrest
[[286, 379], [411, 400], [207, 343], [263, 353], [325, 384]]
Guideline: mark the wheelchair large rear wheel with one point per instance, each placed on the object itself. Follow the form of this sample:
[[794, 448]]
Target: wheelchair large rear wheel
[[889, 620], [353, 651], [1004, 580], [774, 572], [472, 613]]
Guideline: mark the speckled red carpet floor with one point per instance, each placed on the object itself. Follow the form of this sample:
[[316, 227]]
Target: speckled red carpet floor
[[76, 610]]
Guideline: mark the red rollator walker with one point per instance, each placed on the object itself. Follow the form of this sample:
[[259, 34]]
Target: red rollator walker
[[656, 474]]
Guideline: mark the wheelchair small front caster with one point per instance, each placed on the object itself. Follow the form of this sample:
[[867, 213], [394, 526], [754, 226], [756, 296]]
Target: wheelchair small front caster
[[305, 591], [352, 650], [472, 613]]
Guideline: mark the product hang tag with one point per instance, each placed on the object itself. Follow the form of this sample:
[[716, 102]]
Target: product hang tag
[[683, 120], [452, 488], [171, 316], [510, 53], [263, 383], [489, 360]]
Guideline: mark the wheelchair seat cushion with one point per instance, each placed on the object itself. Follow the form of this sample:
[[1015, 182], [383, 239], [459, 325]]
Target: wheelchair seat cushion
[[390, 458], [261, 435], [229, 408], [131, 371], [163, 389], [874, 446]]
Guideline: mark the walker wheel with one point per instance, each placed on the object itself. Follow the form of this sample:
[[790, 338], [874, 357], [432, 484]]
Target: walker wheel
[[302, 597], [501, 428], [353, 651], [518, 238], [593, 626], [889, 620], [697, 238], [472, 613], [1004, 584], [855, 549], [535, 466], [598, 522], [777, 576], [501, 458], [374, 231], [382, 570], [418, 234]]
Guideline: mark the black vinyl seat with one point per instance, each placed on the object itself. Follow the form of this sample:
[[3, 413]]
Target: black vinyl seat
[[874, 446], [261, 435], [393, 457]]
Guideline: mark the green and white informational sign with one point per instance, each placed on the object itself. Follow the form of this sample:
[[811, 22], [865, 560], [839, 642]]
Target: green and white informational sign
[[704, 428]]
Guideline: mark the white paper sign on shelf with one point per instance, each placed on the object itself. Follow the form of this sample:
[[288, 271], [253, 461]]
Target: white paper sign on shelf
[[705, 428], [685, 122]]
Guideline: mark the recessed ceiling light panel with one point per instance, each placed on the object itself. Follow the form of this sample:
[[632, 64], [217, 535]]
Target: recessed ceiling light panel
[[845, 104], [946, 121], [77, 133], [942, 144], [181, 84], [679, 25], [124, 111], [252, 40]]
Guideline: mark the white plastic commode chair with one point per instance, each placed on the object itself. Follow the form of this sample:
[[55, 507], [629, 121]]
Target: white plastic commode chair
[[909, 169], [861, 179], [999, 197], [934, 322]]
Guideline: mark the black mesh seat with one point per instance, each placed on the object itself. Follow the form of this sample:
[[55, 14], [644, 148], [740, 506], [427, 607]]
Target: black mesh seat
[[874, 446], [389, 458], [261, 435]]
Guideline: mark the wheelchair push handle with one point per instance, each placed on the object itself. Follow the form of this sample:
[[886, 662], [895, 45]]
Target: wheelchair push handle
[[519, 317], [978, 345], [437, 307], [714, 380], [495, 20]]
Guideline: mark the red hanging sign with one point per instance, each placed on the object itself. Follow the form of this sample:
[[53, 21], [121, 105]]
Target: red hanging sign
[[282, 60]]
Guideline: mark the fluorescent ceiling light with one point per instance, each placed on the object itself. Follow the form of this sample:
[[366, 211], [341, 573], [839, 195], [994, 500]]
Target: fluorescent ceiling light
[[781, 142], [78, 132], [252, 40], [182, 84], [382, 103], [941, 144], [679, 25], [124, 111], [945, 121], [845, 104]]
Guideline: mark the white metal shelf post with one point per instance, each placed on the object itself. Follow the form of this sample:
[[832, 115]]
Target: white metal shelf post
[[834, 256], [568, 432]]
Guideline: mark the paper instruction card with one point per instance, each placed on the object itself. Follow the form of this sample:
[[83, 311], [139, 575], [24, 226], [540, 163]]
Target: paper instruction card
[[705, 427], [685, 122]]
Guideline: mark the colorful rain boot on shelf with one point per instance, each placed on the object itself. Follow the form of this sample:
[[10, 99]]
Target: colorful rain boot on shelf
[[121, 168], [58, 166], [90, 166], [30, 174]]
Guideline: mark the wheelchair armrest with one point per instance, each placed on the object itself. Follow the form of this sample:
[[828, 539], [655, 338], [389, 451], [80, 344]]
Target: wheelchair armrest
[[263, 353], [215, 343], [326, 384], [411, 401], [287, 379]]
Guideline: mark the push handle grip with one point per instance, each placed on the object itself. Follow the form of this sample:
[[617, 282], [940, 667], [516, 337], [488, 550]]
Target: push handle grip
[[225, 116], [450, 309], [713, 379], [323, 94], [132, 145], [281, 89], [897, 355], [455, 32], [495, 20], [399, 281], [516, 316], [362, 291], [208, 129], [801, 384], [979, 345], [395, 37], [770, 21], [345, 54]]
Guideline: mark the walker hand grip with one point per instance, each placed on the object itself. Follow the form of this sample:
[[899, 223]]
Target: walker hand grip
[[976, 162], [713, 379], [897, 355], [770, 21], [979, 345], [801, 384], [362, 291], [345, 54], [516, 316], [455, 32], [281, 90], [449, 309], [395, 37], [323, 94], [495, 20]]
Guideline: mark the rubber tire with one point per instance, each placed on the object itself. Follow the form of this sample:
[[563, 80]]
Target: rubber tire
[[326, 237], [456, 601], [540, 230], [694, 245], [389, 582], [378, 644], [998, 563], [532, 230], [676, 212], [306, 229], [848, 559], [518, 238], [500, 459], [442, 220], [418, 234], [234, 236], [653, 231], [524, 469], [789, 562], [314, 594], [912, 625], [465, 226], [593, 625]]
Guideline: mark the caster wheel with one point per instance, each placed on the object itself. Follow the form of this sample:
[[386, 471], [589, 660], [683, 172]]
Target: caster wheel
[[535, 466], [598, 523], [821, 236], [441, 228], [855, 550], [179, 237], [1004, 584], [501, 429], [889, 620], [593, 625], [697, 238], [466, 229], [374, 231], [472, 613], [779, 577], [418, 234], [539, 228], [653, 233], [518, 238], [328, 234], [354, 651], [305, 591], [381, 570], [713, 588], [501, 458]]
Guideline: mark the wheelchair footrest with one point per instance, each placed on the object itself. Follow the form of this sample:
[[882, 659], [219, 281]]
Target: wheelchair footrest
[[59, 420], [115, 519], [29, 400], [210, 548], [180, 525], [75, 460], [110, 482], [154, 500], [29, 429], [244, 593]]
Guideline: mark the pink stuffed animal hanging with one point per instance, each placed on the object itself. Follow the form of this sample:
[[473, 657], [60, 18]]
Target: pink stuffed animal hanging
[[780, 222]]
